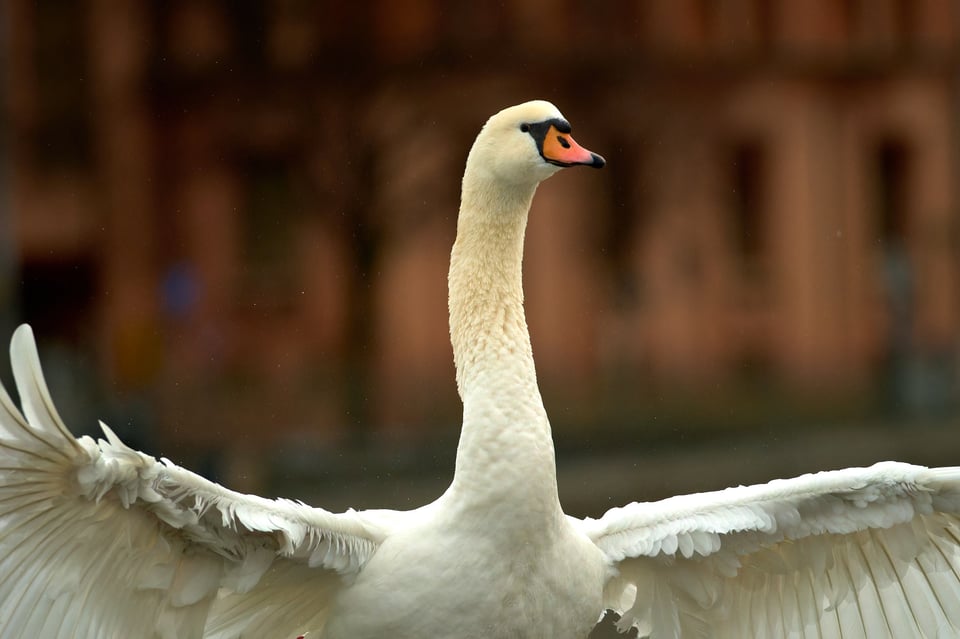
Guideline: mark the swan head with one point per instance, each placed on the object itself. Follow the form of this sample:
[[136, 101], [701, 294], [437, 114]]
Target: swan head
[[527, 143]]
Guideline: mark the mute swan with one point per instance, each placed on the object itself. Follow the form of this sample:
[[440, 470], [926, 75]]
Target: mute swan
[[100, 541]]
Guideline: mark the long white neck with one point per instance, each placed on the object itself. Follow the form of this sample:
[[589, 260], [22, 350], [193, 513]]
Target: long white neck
[[506, 454]]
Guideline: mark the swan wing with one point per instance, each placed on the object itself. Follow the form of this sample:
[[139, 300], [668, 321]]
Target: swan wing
[[861, 552], [100, 540]]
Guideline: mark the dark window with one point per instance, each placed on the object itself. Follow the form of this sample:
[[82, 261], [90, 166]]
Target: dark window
[[627, 209], [748, 197], [61, 137], [270, 216], [890, 179], [57, 297]]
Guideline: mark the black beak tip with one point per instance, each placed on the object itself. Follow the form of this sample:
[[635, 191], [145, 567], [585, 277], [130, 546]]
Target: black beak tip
[[598, 161]]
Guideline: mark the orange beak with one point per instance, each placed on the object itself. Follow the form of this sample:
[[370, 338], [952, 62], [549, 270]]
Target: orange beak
[[561, 149]]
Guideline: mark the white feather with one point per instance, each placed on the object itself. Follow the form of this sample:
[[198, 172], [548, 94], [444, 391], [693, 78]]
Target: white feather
[[88, 526], [861, 552]]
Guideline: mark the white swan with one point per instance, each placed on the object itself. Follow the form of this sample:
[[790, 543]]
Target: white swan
[[101, 541]]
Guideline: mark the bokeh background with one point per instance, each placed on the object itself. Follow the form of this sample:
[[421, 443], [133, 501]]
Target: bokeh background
[[229, 224]]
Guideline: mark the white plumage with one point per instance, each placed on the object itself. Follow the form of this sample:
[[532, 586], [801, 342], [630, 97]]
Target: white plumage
[[99, 541]]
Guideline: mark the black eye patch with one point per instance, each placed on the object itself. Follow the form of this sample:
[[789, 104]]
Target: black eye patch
[[539, 130]]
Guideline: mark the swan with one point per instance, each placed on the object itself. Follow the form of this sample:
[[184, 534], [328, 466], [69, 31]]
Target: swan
[[98, 540]]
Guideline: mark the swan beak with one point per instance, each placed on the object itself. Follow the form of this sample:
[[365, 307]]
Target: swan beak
[[562, 150]]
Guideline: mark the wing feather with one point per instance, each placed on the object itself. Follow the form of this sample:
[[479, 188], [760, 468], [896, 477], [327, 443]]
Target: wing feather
[[862, 552], [100, 540]]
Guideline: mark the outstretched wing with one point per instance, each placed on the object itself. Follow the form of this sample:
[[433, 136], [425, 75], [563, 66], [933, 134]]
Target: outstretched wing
[[862, 552], [99, 540]]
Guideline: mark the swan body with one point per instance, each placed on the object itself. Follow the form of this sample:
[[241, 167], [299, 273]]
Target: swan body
[[98, 540]]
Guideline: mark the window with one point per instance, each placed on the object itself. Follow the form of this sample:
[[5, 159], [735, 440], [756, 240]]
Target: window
[[890, 180], [269, 219], [62, 136], [627, 214], [748, 198]]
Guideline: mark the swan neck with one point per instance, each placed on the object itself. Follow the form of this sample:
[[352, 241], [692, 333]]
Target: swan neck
[[505, 441], [488, 328]]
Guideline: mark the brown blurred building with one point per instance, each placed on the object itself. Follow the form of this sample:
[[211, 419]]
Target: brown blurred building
[[247, 208]]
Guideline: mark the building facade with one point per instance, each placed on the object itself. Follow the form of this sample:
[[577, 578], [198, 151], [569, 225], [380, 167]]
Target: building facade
[[243, 213]]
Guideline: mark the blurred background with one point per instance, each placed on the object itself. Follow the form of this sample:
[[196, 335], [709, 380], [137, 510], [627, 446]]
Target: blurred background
[[229, 224]]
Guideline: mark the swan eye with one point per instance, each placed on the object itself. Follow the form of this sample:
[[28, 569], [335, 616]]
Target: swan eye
[[525, 127]]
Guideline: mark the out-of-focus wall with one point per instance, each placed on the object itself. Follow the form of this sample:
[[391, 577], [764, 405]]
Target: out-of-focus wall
[[240, 214]]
